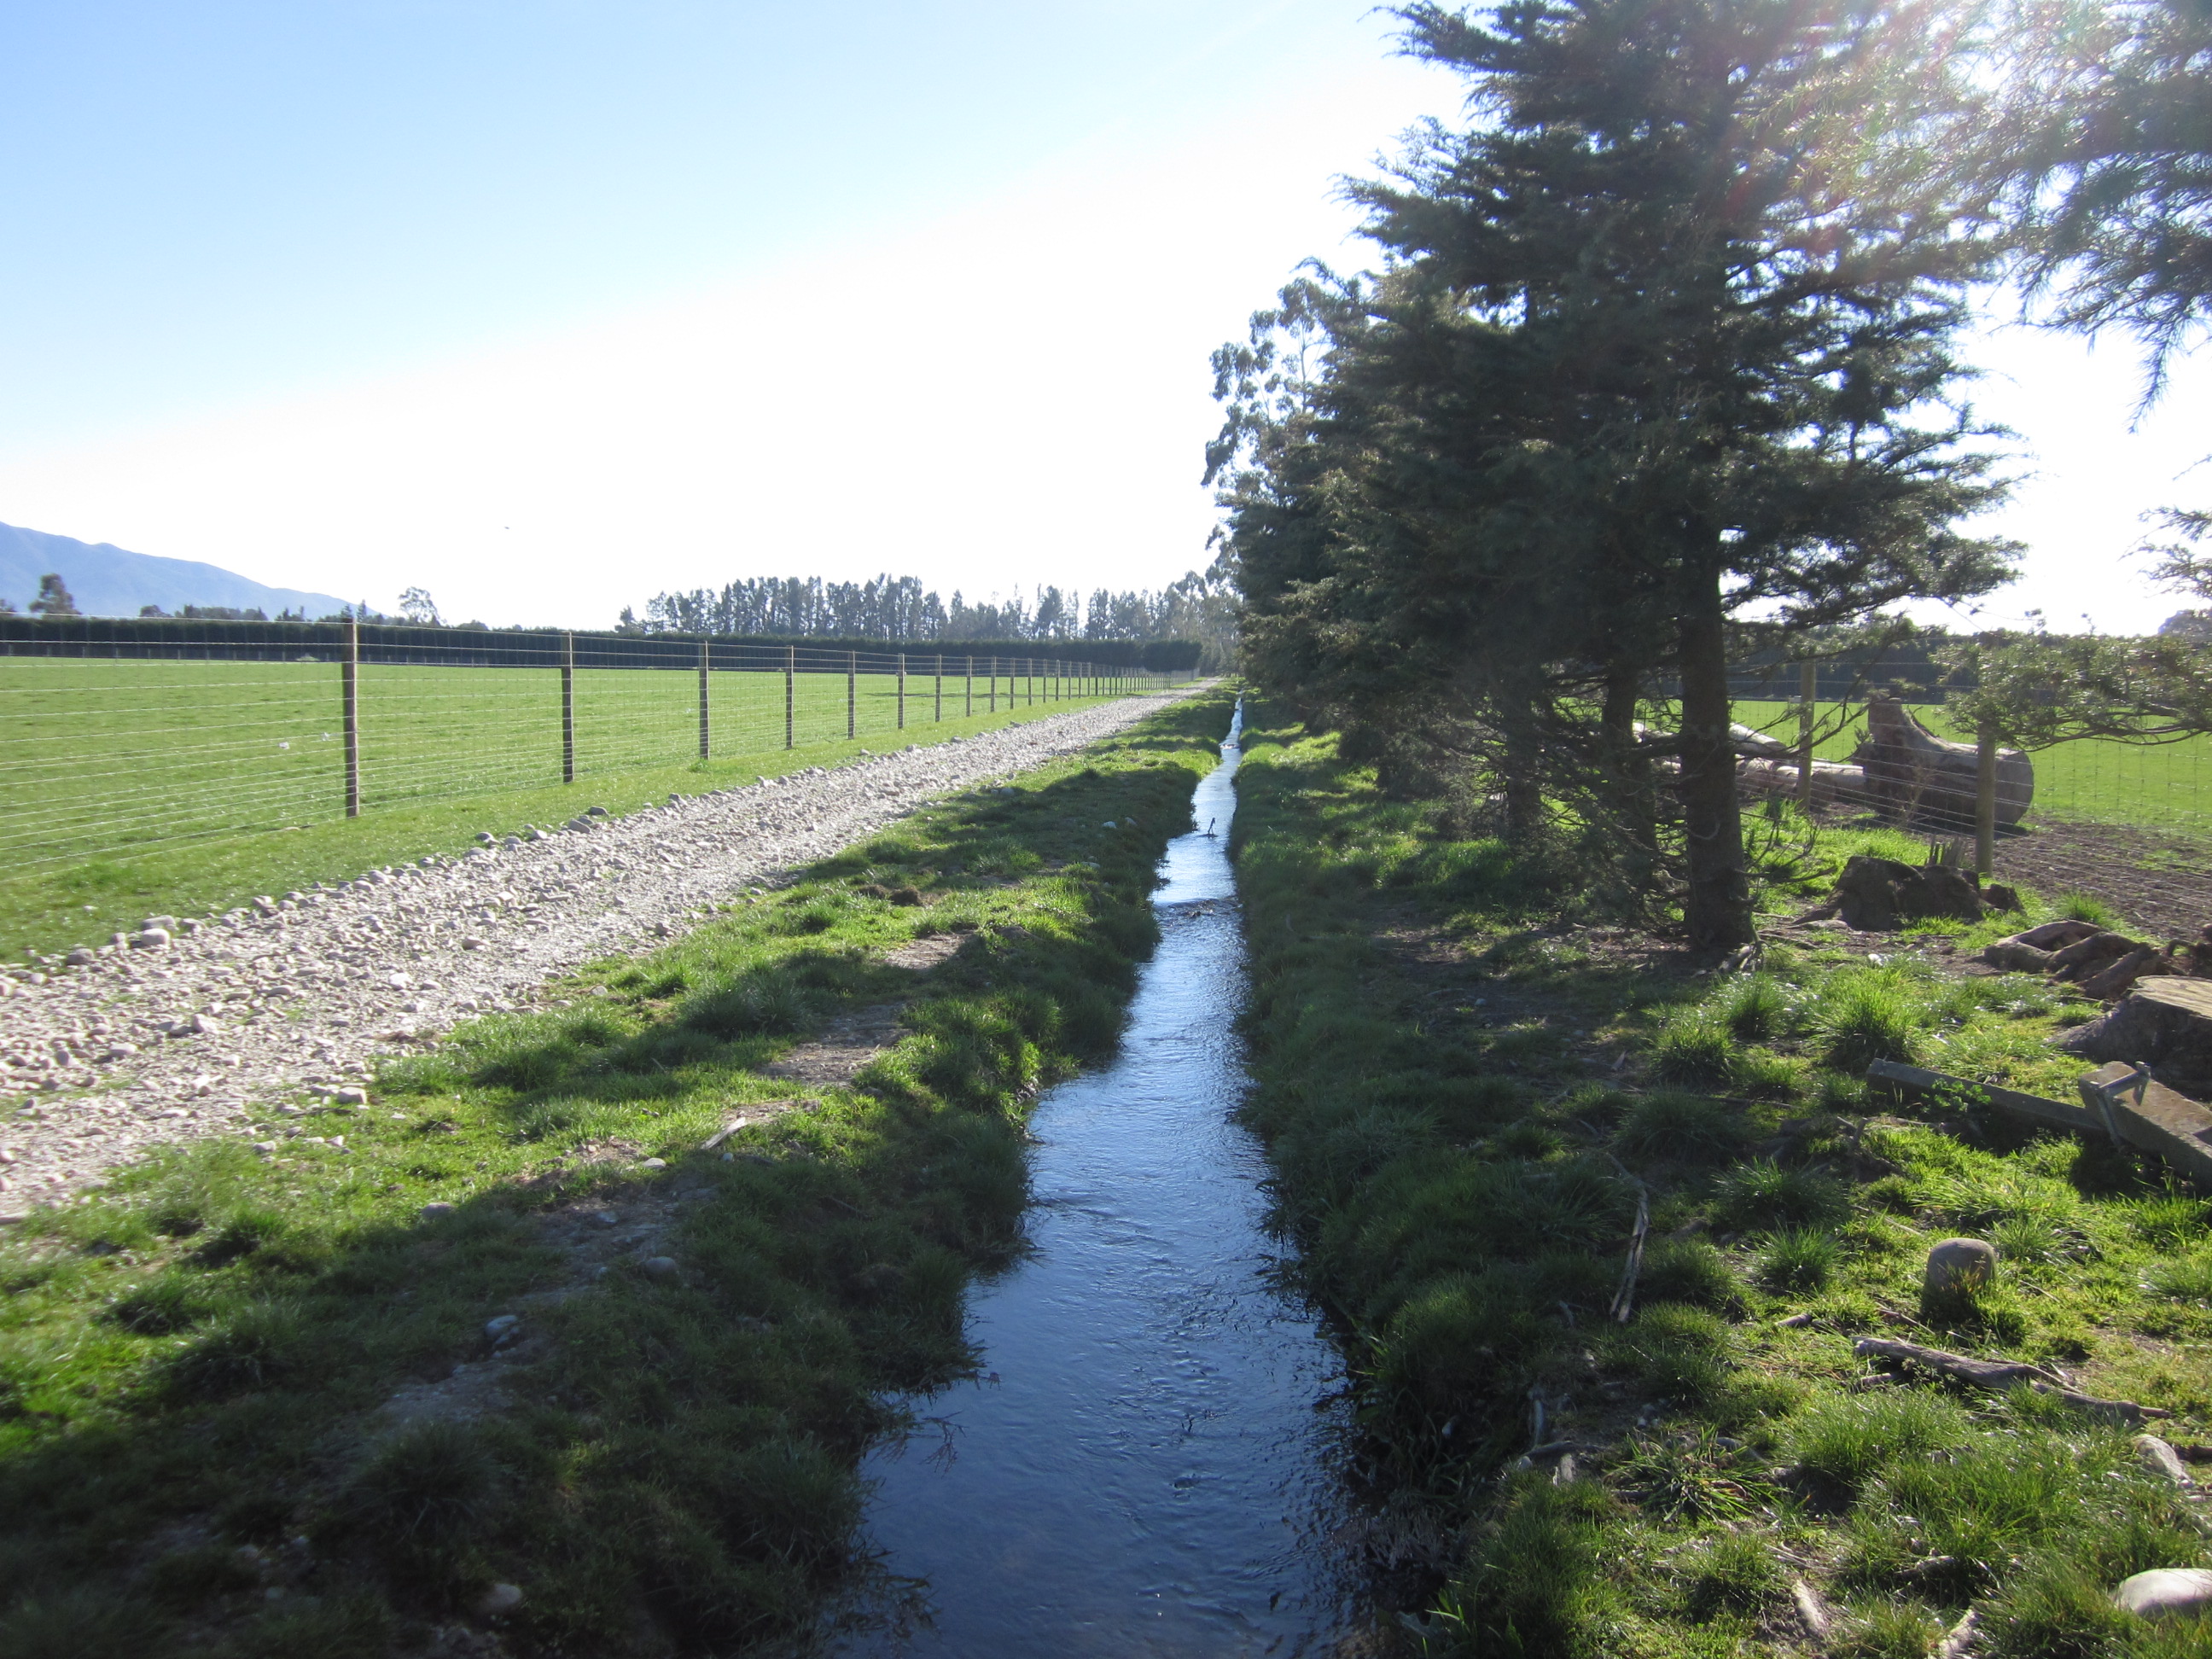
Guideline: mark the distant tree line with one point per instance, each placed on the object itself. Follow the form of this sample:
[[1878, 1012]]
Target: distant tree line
[[899, 610], [1660, 373]]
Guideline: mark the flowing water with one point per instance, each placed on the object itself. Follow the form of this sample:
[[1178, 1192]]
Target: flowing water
[[1148, 1465]]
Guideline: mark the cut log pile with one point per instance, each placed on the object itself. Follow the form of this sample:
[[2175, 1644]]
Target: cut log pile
[[2103, 962]]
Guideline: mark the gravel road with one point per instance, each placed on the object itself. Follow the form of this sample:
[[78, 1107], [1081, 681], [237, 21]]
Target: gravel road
[[196, 1024]]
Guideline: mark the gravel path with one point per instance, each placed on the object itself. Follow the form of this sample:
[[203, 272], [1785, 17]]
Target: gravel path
[[177, 1034]]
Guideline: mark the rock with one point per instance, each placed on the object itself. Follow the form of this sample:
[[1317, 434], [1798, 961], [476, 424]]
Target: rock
[[486, 838], [2161, 1460], [436, 1210], [660, 1267], [1959, 1264], [351, 1097], [502, 1326], [2166, 1593], [150, 939], [471, 942], [167, 924], [499, 1598], [82, 956], [655, 1163], [596, 813]]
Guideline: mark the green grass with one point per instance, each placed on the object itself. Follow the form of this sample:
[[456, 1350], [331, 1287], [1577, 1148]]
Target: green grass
[[193, 1360], [163, 822], [1464, 1197], [2166, 786]]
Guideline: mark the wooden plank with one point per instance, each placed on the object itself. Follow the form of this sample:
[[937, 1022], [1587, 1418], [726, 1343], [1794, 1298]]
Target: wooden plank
[[2163, 1123], [2051, 1114]]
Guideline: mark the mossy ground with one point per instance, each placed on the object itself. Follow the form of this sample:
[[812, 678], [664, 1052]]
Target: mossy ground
[[1464, 1085], [194, 1458]]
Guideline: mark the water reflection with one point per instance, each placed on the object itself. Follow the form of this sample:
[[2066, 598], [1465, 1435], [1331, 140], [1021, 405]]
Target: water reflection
[[1147, 1467]]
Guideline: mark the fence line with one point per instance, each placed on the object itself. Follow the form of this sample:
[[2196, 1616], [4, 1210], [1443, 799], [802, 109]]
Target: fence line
[[1926, 770], [124, 751]]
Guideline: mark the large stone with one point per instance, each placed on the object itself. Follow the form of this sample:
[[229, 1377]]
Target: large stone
[[2166, 1593], [498, 1599], [1959, 1265]]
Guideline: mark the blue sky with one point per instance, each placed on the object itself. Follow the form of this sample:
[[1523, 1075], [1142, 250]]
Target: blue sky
[[546, 306]]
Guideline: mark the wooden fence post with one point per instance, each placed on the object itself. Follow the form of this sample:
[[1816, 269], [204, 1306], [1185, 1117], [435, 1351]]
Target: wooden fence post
[[971, 686], [568, 709], [1986, 800], [790, 671], [992, 706], [350, 679], [940, 714], [901, 725], [1808, 687], [852, 683], [705, 662]]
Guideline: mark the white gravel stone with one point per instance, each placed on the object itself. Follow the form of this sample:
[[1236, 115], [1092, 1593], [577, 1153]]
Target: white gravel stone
[[314, 983], [2166, 1593]]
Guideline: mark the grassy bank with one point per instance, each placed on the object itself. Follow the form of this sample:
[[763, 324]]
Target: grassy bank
[[263, 1402], [1467, 1089], [60, 904]]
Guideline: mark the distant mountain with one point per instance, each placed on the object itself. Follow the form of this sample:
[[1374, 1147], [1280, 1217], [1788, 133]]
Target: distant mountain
[[106, 580]]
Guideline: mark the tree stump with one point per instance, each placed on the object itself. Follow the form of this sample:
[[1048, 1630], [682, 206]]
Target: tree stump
[[1875, 895], [2165, 1023]]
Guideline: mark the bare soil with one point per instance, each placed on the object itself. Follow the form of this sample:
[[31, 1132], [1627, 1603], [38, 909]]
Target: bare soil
[[2160, 883]]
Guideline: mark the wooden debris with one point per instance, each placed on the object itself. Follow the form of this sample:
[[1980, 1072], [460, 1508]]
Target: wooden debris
[[1624, 1298], [2050, 1114], [1916, 774], [2144, 1113], [1998, 1375], [1812, 1611], [1958, 1641]]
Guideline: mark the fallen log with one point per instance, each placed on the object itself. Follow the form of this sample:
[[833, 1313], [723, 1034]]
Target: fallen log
[[1996, 1376], [2048, 1114], [2120, 975], [1916, 774]]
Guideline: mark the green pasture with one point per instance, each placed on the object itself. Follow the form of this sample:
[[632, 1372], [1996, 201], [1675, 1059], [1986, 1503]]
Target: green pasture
[[131, 787], [2095, 780]]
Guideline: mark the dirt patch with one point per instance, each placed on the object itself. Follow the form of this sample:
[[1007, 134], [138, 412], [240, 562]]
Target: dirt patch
[[926, 951], [847, 1045], [2162, 885]]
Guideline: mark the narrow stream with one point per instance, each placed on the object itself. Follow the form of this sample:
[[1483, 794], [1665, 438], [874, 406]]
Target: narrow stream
[[1147, 1465]]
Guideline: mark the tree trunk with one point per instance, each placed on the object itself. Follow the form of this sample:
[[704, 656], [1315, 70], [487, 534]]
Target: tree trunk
[[1718, 908], [1629, 776]]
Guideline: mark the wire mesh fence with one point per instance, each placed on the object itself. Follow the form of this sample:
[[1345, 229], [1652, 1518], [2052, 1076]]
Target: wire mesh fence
[[120, 743], [1880, 735]]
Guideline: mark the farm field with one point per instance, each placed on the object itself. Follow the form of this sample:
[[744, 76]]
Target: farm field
[[2169, 786], [105, 755], [193, 805]]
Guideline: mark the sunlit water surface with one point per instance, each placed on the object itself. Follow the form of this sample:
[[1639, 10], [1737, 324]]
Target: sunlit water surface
[[1148, 1465]]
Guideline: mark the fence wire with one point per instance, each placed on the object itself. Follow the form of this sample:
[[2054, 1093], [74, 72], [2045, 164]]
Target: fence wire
[[1883, 740], [119, 753]]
